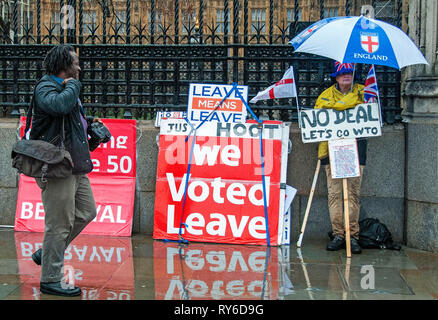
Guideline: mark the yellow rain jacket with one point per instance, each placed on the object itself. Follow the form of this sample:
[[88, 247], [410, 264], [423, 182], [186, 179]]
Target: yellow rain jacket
[[332, 98]]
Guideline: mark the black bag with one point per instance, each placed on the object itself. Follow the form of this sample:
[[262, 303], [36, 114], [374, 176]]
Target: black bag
[[41, 159], [374, 234]]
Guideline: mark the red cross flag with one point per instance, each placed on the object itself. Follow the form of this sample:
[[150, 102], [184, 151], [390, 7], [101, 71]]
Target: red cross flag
[[285, 88], [369, 43]]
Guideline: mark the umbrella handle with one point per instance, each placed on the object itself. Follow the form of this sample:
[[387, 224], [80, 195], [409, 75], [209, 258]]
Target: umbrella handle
[[352, 82]]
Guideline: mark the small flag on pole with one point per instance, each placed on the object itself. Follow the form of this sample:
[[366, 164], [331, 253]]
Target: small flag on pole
[[285, 88], [371, 91]]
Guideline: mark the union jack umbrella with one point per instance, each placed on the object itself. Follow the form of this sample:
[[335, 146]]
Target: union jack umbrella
[[359, 40]]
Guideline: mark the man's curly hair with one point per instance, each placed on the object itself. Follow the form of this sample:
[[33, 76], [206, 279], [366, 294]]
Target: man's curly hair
[[58, 59]]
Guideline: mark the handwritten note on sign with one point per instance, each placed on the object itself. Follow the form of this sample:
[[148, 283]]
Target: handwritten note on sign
[[329, 124], [344, 158]]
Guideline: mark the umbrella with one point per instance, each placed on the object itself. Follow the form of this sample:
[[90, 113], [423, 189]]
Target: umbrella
[[359, 40]]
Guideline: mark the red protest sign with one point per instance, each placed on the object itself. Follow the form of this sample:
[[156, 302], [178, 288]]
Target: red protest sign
[[118, 156], [224, 200], [112, 182]]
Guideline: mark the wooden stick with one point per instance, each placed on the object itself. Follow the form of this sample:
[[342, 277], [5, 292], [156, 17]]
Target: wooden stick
[[347, 278], [309, 202], [346, 218]]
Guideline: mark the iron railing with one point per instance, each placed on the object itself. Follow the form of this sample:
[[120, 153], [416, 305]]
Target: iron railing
[[131, 67]]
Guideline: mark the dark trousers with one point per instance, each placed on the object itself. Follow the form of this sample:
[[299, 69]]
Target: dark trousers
[[69, 207]]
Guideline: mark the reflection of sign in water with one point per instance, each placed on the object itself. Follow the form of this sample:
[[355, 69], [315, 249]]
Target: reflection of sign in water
[[344, 158], [101, 266], [212, 271]]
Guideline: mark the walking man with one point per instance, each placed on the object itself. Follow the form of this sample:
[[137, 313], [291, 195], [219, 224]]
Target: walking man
[[68, 202]]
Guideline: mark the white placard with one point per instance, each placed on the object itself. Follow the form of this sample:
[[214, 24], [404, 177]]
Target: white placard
[[344, 158], [204, 98], [169, 115], [329, 124]]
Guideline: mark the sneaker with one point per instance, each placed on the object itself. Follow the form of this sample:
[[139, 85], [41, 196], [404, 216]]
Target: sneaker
[[58, 289], [336, 244], [355, 247]]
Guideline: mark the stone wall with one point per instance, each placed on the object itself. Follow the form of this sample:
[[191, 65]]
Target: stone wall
[[420, 104], [382, 187]]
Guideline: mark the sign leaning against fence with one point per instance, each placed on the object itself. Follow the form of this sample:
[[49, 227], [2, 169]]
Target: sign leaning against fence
[[224, 201], [112, 181], [329, 124]]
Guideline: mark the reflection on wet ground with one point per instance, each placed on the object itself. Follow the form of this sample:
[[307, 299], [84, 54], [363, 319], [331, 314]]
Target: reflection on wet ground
[[139, 268]]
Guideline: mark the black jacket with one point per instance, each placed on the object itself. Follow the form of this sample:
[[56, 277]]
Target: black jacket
[[52, 103]]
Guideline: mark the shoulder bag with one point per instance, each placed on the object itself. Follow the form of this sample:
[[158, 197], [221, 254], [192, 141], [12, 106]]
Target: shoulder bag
[[41, 159]]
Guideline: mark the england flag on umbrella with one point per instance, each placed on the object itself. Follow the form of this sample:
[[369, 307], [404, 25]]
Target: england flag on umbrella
[[371, 91], [285, 88]]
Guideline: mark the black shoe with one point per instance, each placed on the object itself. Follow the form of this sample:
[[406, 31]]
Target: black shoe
[[355, 247], [337, 243], [36, 256], [56, 288]]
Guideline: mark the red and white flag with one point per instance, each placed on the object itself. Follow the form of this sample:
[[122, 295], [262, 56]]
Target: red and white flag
[[285, 88]]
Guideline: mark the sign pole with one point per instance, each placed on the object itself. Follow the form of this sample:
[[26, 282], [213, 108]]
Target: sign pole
[[346, 218], [309, 202]]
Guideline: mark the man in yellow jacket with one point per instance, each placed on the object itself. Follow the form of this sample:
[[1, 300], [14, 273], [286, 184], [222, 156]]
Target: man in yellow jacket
[[340, 96]]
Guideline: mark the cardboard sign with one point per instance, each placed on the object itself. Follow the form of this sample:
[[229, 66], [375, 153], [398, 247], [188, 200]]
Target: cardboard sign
[[290, 195], [224, 200], [329, 124], [344, 158], [112, 181], [204, 98], [103, 267], [219, 272]]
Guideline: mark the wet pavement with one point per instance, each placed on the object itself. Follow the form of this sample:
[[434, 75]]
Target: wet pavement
[[139, 268]]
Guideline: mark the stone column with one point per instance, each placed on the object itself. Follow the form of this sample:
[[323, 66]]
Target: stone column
[[420, 113]]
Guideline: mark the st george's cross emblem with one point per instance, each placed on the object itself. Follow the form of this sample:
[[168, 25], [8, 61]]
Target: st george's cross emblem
[[369, 42]]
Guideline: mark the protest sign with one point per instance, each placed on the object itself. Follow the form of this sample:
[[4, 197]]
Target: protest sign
[[169, 115], [224, 200], [329, 124], [344, 158], [219, 272], [204, 98], [290, 195], [112, 182]]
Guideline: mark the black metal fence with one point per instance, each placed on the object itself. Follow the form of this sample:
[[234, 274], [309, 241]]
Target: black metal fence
[[136, 61]]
